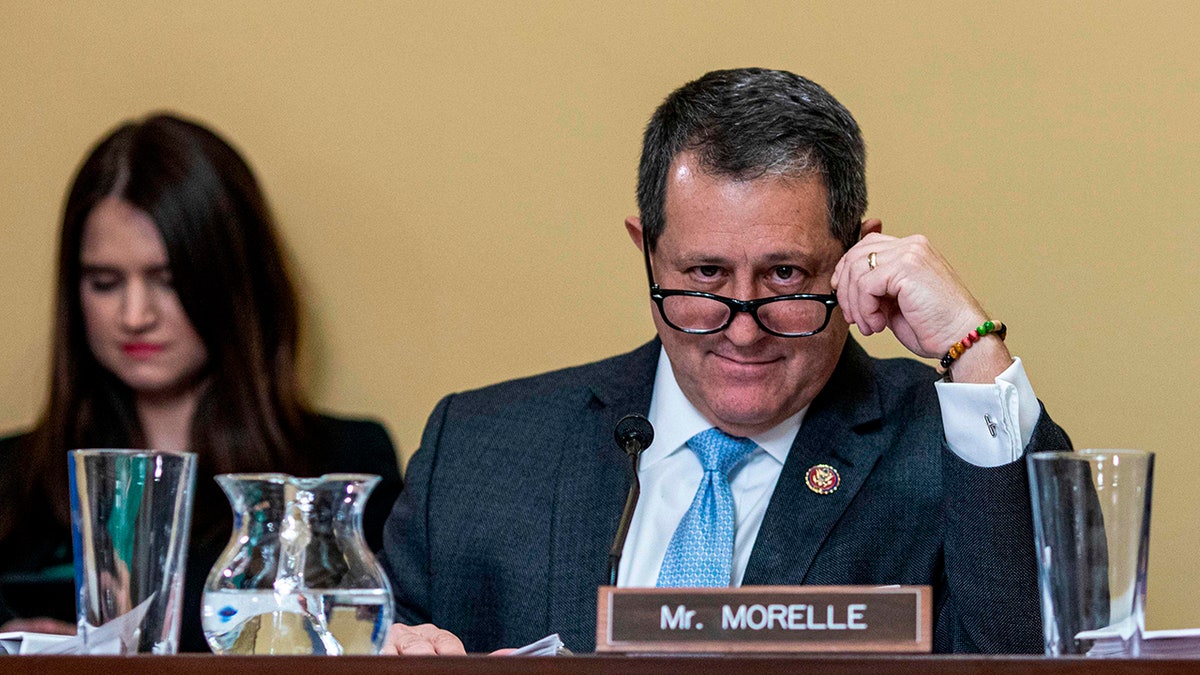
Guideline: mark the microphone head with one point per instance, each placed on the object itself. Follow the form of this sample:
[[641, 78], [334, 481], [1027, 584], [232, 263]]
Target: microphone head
[[634, 433]]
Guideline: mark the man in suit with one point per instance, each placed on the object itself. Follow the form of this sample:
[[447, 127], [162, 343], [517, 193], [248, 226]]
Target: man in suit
[[783, 453]]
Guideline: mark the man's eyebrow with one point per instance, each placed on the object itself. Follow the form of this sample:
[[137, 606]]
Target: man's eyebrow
[[791, 257], [699, 258]]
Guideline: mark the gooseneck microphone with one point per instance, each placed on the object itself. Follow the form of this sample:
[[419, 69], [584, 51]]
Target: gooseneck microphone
[[633, 434]]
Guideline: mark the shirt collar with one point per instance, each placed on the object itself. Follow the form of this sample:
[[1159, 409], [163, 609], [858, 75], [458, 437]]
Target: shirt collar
[[676, 420]]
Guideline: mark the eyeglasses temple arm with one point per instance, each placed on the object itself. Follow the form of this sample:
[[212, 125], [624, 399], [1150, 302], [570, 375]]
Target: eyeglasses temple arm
[[646, 258]]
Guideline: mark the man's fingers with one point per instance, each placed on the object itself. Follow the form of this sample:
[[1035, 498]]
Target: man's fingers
[[391, 643], [423, 640], [415, 645], [869, 318], [854, 271], [448, 644]]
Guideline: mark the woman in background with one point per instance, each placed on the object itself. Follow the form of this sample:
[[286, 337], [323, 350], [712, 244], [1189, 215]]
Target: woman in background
[[176, 329]]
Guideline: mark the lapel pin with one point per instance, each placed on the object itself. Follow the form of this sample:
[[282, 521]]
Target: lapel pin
[[822, 479]]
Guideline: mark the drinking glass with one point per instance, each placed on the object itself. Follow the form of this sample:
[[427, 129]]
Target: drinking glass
[[1091, 516], [131, 511]]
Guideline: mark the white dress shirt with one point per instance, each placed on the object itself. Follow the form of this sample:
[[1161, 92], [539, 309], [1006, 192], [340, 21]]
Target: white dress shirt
[[986, 425]]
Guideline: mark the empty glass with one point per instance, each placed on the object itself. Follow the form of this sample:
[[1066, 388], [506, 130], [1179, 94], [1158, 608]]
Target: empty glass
[[131, 511], [1091, 516]]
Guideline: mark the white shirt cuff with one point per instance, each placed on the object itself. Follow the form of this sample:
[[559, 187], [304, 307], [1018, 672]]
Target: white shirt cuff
[[990, 424]]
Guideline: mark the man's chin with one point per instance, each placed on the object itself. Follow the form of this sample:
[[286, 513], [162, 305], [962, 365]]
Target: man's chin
[[743, 418]]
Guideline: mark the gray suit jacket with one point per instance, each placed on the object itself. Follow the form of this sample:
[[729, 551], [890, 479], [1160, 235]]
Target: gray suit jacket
[[502, 532]]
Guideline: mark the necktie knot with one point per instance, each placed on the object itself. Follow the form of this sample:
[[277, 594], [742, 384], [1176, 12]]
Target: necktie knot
[[720, 452]]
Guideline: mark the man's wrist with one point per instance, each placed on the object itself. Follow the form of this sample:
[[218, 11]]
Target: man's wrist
[[983, 362]]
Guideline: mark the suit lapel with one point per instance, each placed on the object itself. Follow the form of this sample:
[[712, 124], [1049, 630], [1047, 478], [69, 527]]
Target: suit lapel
[[835, 432], [593, 479]]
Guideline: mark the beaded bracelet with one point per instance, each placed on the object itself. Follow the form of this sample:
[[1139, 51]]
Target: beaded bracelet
[[996, 328]]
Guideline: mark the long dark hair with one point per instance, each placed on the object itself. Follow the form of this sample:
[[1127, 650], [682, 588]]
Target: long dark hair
[[230, 275]]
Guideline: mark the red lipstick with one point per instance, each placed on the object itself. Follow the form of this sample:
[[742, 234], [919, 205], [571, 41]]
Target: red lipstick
[[141, 350]]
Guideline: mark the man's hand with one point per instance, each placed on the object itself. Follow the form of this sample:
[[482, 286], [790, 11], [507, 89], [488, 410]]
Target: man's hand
[[912, 290], [423, 640]]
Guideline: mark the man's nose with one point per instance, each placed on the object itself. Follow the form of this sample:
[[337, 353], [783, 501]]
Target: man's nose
[[744, 330], [139, 307]]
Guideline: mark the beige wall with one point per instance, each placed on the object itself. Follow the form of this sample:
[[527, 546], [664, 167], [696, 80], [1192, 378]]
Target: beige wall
[[451, 179]]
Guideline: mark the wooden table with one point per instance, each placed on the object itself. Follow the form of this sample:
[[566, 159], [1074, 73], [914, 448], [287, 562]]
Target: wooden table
[[583, 665]]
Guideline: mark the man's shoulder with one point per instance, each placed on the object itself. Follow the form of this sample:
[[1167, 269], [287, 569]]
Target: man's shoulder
[[893, 388], [631, 370], [904, 372], [906, 384], [515, 426], [898, 376]]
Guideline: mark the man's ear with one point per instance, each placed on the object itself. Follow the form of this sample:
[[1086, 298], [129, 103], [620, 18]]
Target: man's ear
[[869, 226], [633, 225]]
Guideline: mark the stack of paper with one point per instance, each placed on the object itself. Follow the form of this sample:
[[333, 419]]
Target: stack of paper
[[551, 645], [119, 636], [1178, 643], [31, 643]]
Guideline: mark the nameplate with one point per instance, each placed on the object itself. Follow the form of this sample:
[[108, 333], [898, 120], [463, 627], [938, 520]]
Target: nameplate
[[765, 619]]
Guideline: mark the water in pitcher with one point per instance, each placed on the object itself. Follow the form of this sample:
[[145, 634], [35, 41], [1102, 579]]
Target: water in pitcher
[[316, 621]]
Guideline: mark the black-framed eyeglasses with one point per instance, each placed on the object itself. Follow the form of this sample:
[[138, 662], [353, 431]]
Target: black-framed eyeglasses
[[699, 313]]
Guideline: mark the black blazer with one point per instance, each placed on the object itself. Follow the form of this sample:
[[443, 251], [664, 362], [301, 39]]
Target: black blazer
[[502, 532], [352, 446]]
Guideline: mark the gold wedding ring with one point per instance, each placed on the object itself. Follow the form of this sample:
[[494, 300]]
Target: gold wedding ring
[[871, 262]]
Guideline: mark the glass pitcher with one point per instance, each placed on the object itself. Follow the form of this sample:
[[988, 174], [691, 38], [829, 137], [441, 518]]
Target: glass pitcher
[[297, 576]]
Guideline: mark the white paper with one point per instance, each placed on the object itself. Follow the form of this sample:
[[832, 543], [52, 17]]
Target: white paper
[[24, 642], [1122, 630], [551, 645], [1109, 632], [106, 639], [1113, 641]]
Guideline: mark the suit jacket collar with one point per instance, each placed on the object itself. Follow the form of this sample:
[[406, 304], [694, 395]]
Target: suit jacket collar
[[593, 479], [837, 432], [627, 381]]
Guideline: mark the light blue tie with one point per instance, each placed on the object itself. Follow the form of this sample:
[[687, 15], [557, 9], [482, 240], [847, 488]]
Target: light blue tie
[[701, 551]]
